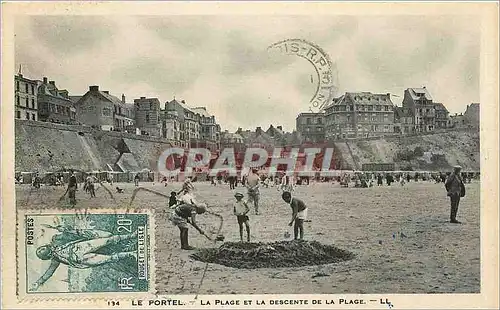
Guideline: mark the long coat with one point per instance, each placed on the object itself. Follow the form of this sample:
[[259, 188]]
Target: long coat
[[454, 185]]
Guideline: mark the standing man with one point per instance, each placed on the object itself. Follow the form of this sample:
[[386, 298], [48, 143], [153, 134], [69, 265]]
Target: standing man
[[136, 179], [252, 185], [456, 189], [72, 186]]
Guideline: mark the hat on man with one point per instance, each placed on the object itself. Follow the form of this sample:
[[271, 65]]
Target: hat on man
[[240, 195]]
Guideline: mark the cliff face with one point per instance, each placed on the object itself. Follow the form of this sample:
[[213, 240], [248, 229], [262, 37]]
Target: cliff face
[[431, 152], [50, 147]]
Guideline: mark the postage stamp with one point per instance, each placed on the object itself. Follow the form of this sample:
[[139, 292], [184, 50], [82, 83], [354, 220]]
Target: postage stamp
[[64, 252]]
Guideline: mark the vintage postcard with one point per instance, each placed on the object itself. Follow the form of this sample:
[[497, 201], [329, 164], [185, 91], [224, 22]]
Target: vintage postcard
[[210, 155], [66, 252]]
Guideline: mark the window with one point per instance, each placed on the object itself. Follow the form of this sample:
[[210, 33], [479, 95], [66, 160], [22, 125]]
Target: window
[[32, 89], [17, 85], [379, 108], [18, 114], [18, 101], [370, 108], [27, 115], [33, 116], [147, 118], [308, 121], [387, 108], [26, 87], [33, 103]]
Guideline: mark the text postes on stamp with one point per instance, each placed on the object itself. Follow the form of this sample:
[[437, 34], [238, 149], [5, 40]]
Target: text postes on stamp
[[326, 71], [95, 253]]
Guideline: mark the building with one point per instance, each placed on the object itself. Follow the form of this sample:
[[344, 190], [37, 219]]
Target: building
[[54, 105], [209, 130], [25, 102], [101, 110], [196, 127], [420, 102], [457, 121], [171, 128], [147, 116], [442, 118], [311, 126], [472, 115], [232, 140], [403, 120], [359, 114]]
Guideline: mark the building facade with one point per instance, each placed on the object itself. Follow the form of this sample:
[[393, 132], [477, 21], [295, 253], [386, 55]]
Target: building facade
[[442, 114], [171, 128], [209, 129], [147, 116], [403, 120], [25, 102], [232, 140], [197, 128], [360, 114], [472, 115], [311, 126], [421, 104], [54, 105], [101, 110]]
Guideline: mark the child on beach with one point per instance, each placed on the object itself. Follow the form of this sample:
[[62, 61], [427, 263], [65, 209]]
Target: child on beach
[[299, 214], [172, 201], [241, 209]]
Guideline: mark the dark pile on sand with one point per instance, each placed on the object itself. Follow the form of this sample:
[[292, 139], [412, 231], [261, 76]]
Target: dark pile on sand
[[295, 253]]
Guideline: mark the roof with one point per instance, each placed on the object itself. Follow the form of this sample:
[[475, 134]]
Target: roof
[[202, 111], [415, 91], [439, 106], [75, 99], [183, 105], [115, 100], [369, 98]]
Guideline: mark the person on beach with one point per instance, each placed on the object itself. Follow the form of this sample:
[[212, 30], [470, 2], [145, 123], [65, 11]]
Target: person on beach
[[172, 201], [241, 209], [455, 189], [72, 187], [252, 185], [299, 214], [185, 214]]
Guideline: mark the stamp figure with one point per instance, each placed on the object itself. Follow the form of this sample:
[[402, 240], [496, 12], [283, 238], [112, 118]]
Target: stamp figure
[[68, 253]]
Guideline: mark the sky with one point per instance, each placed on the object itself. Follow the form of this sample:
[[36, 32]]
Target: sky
[[222, 62]]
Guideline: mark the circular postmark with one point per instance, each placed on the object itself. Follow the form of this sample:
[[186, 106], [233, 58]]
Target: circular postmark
[[325, 86]]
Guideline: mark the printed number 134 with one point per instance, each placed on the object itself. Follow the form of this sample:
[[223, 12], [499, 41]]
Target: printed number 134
[[113, 303]]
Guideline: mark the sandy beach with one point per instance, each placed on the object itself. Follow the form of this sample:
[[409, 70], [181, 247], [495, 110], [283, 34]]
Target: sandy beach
[[401, 237]]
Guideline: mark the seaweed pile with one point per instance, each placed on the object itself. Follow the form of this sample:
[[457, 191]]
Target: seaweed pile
[[279, 254]]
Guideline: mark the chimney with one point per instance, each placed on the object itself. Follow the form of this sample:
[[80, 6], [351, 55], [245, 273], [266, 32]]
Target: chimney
[[239, 130], [53, 83], [123, 98], [93, 88], [143, 97], [280, 128], [258, 130], [45, 80], [183, 101], [106, 92]]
